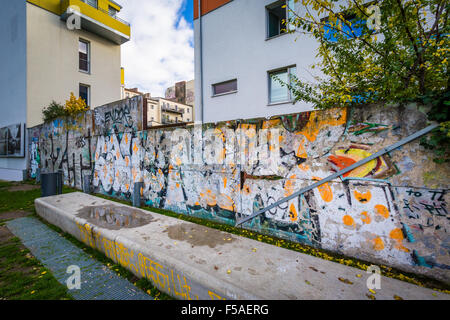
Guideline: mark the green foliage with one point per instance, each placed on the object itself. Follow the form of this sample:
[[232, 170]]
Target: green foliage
[[389, 51], [53, 112], [439, 139], [72, 108]]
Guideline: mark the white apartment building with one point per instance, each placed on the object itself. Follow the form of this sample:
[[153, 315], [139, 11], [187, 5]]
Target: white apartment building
[[239, 48]]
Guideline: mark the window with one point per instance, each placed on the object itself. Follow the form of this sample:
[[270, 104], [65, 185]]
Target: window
[[85, 93], [277, 17], [279, 92], [112, 11], [224, 87], [84, 56], [92, 3]]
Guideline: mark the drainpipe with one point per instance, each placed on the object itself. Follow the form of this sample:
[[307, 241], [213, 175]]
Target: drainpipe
[[201, 57]]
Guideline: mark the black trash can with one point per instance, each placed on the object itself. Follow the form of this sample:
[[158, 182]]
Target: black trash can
[[51, 184]]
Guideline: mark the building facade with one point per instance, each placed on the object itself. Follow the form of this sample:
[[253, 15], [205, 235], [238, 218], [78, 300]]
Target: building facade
[[235, 66], [182, 92], [162, 111], [133, 92], [53, 48]]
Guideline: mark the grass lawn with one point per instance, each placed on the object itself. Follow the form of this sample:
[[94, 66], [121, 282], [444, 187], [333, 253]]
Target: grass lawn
[[22, 277]]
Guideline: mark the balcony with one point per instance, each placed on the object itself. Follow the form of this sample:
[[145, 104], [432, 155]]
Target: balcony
[[97, 20], [173, 110]]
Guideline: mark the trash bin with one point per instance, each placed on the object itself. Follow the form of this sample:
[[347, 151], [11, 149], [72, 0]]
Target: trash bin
[[51, 184]]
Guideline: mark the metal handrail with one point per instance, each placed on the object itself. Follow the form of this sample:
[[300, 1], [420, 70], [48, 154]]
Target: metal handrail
[[173, 110], [341, 172], [114, 17]]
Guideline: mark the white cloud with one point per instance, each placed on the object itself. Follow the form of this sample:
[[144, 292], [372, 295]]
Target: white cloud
[[160, 51]]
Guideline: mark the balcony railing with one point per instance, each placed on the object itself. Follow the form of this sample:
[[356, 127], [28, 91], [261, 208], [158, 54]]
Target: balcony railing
[[171, 121], [114, 17], [170, 109]]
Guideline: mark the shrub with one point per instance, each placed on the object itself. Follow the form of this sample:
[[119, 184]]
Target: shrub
[[53, 111]]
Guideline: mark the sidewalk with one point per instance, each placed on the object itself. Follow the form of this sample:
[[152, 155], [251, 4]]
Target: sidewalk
[[190, 261], [57, 254]]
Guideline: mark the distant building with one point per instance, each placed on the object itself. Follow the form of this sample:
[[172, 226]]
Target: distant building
[[130, 93], [182, 92], [51, 48], [161, 111]]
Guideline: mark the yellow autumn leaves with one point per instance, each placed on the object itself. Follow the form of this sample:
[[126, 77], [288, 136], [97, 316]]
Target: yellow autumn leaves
[[74, 106]]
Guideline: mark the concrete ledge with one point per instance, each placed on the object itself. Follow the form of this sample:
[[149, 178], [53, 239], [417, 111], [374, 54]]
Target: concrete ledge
[[12, 174], [190, 261]]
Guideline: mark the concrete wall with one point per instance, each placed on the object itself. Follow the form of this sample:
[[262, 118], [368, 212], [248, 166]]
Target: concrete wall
[[53, 69], [241, 51], [13, 83], [391, 211]]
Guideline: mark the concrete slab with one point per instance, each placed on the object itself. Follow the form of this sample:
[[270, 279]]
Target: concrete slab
[[190, 261]]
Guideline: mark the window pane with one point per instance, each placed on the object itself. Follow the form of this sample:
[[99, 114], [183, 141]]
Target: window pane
[[275, 17], [225, 87], [84, 56], [290, 13], [83, 47], [84, 93], [274, 24], [112, 12], [278, 91], [92, 3]]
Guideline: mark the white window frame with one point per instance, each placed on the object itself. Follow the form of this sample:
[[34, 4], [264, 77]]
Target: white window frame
[[88, 45], [289, 74]]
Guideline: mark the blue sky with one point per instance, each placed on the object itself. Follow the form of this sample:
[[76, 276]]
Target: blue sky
[[160, 51], [188, 11]]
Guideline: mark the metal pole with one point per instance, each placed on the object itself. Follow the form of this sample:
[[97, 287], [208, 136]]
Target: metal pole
[[87, 184], [201, 57], [38, 175], [59, 182], [137, 194], [343, 171]]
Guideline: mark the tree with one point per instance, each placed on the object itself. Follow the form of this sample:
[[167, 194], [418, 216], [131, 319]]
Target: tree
[[390, 51]]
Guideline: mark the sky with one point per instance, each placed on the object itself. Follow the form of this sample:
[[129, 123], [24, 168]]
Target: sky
[[161, 50]]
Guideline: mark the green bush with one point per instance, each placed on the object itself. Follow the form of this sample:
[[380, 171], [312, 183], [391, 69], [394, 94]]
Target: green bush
[[53, 111]]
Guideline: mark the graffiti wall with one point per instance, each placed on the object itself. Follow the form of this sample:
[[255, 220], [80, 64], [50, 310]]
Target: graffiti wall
[[392, 210]]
